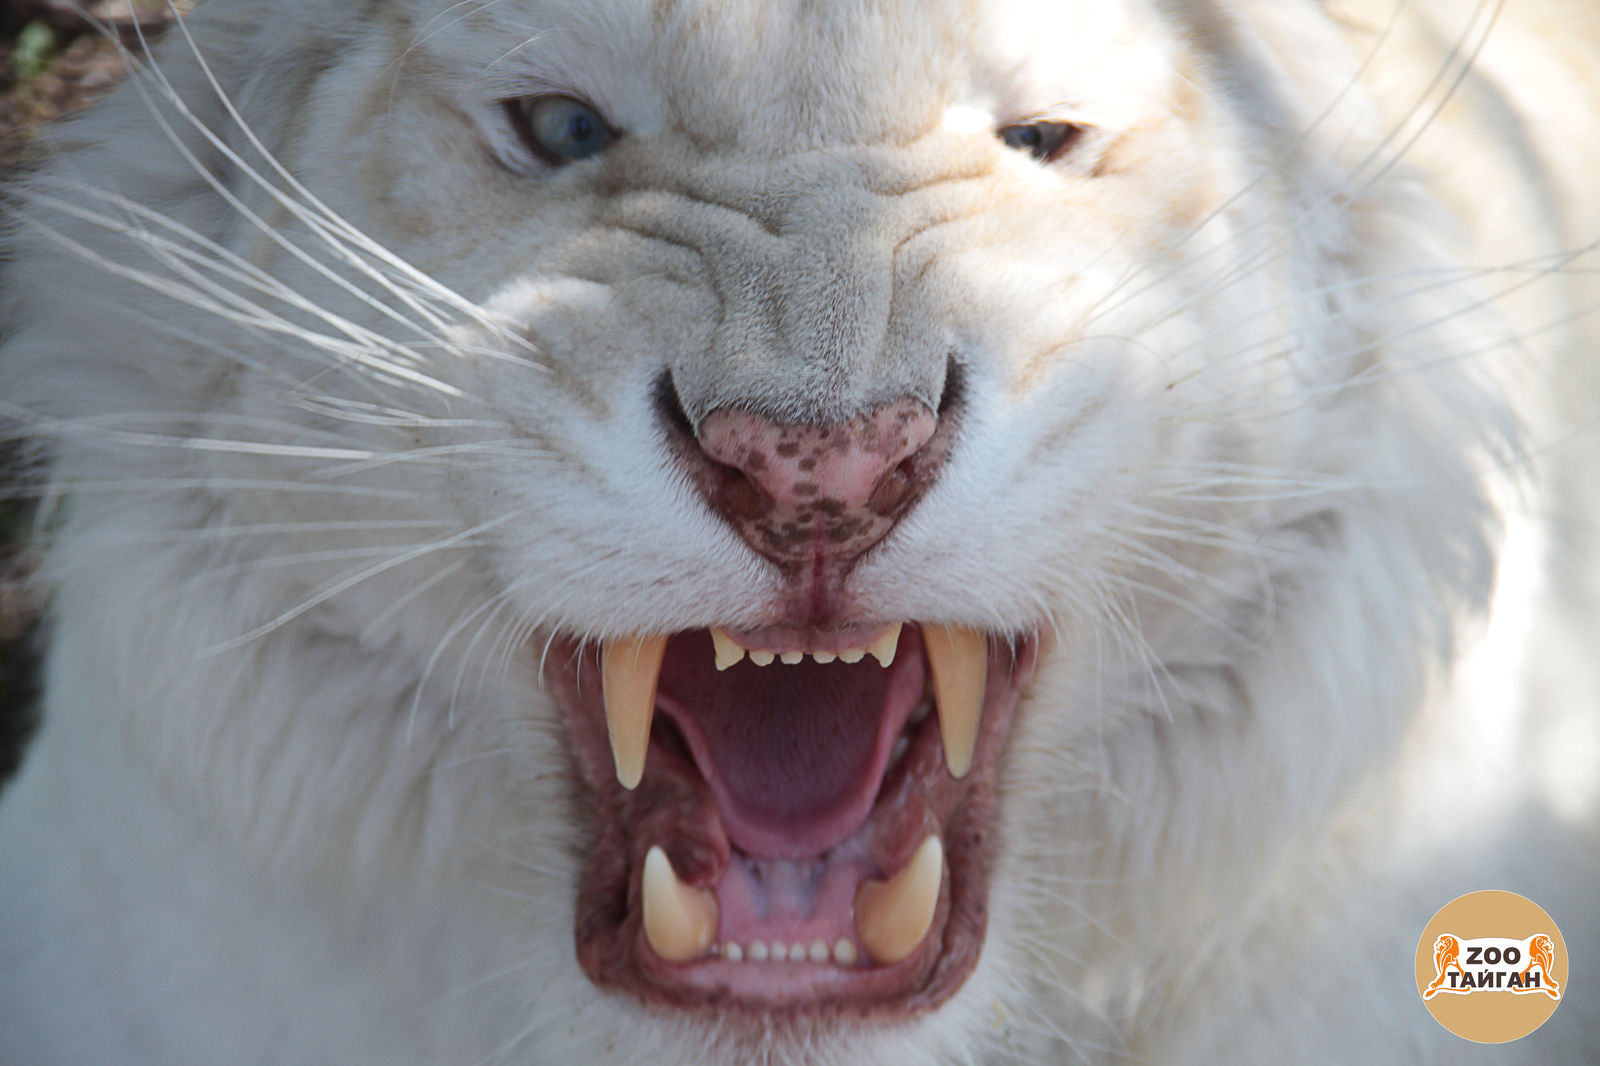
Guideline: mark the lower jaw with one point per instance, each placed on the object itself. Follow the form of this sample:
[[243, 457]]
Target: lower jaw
[[673, 808]]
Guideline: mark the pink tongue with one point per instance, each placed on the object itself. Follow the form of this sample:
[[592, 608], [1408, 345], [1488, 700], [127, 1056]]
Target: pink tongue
[[794, 754]]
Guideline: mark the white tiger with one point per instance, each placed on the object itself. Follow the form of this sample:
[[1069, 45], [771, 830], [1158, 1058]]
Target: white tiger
[[720, 531]]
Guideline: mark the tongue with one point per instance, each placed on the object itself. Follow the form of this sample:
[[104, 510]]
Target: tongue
[[793, 753]]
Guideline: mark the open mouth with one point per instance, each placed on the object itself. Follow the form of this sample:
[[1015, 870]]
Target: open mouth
[[789, 819]]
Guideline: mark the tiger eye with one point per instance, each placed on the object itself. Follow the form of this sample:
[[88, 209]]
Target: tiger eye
[[561, 129], [1044, 141]]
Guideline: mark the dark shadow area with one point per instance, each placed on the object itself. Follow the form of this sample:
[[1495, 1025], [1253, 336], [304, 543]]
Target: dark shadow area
[[56, 56], [21, 611]]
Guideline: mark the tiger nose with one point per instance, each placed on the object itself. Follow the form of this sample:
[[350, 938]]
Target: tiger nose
[[797, 492]]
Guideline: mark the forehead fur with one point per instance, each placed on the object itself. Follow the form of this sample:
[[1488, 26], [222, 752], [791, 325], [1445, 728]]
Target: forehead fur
[[783, 74]]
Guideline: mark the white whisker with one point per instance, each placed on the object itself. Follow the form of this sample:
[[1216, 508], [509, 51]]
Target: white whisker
[[350, 582]]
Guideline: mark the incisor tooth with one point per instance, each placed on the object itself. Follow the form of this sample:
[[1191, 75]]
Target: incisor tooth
[[629, 669], [762, 658], [883, 649], [792, 657], [679, 921], [959, 658], [893, 916], [854, 655], [824, 656], [728, 652]]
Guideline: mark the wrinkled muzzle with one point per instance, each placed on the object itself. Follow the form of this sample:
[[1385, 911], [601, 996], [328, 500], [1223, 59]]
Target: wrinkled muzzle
[[799, 815]]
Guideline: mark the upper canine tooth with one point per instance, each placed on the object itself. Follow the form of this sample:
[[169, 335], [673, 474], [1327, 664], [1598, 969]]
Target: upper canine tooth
[[629, 669], [679, 921], [728, 652], [893, 916], [959, 659], [883, 649]]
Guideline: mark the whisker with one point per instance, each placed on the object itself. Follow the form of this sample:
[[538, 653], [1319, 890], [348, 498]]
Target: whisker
[[327, 594], [319, 216], [228, 306], [382, 618], [179, 536]]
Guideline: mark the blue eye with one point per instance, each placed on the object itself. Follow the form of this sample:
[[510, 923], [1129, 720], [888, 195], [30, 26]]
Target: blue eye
[[560, 129]]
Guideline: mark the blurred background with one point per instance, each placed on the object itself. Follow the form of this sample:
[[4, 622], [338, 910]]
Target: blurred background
[[55, 57]]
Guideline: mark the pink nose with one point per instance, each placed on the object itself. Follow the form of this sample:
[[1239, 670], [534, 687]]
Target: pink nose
[[799, 493]]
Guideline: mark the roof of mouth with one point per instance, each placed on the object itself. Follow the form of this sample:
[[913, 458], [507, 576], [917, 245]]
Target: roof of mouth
[[795, 754]]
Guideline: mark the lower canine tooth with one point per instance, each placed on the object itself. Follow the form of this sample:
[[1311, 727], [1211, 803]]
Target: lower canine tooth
[[728, 652], [629, 669], [959, 659], [883, 649], [892, 917], [679, 921]]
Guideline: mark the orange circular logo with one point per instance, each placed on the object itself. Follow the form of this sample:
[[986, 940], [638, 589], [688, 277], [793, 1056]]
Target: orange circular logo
[[1491, 966]]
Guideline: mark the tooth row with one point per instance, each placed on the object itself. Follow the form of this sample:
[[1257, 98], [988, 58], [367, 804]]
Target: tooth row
[[892, 917], [957, 657], [729, 652], [843, 952]]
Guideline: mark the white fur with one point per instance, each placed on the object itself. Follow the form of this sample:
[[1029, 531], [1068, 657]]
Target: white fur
[[348, 407]]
